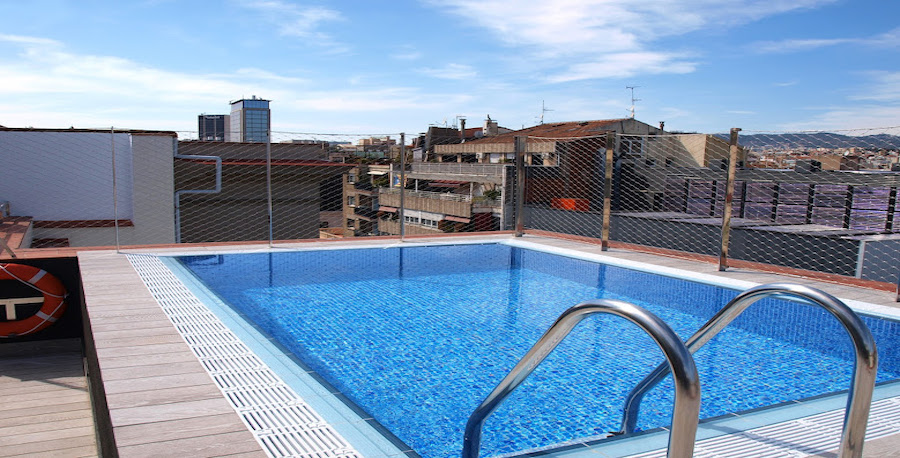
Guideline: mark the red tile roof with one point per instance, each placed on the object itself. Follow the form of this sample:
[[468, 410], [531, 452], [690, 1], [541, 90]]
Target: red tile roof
[[558, 130]]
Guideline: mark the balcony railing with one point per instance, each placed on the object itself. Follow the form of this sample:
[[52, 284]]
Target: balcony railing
[[430, 195], [456, 168]]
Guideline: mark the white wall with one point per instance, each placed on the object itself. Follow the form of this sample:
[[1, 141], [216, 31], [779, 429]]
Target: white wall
[[58, 176], [68, 176]]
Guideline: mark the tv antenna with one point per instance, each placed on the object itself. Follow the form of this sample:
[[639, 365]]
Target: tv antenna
[[632, 99], [544, 109]]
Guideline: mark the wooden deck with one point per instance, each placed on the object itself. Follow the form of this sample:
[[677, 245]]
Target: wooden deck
[[161, 401], [46, 408]]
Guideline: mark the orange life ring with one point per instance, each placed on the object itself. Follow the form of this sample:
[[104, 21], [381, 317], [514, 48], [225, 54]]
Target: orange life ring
[[49, 286]]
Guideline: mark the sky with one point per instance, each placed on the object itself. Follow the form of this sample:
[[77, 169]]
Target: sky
[[381, 67]]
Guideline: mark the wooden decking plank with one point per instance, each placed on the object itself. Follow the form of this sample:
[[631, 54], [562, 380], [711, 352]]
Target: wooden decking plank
[[142, 350], [7, 421], [157, 397], [167, 412], [45, 387], [204, 446], [144, 433], [146, 360], [156, 383], [9, 431], [50, 376], [152, 370], [74, 452], [50, 409], [161, 338], [62, 432], [120, 316], [49, 445], [23, 403], [49, 366], [126, 324], [135, 332], [256, 454]]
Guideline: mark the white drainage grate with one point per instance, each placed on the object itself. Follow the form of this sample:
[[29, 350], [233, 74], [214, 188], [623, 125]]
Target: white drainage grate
[[801, 437], [272, 411]]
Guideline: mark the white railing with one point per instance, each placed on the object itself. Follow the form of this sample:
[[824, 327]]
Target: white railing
[[430, 195]]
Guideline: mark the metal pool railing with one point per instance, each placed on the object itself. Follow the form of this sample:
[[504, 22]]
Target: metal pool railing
[[865, 365], [687, 382]]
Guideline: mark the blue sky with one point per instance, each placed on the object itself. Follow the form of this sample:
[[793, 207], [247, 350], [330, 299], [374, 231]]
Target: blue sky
[[382, 67]]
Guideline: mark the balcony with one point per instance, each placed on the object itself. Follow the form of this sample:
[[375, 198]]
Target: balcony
[[434, 202]]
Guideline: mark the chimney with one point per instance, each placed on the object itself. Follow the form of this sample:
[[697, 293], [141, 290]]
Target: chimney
[[490, 127], [662, 125], [462, 130]]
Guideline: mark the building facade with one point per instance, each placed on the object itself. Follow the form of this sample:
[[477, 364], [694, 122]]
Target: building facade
[[213, 128], [250, 120]]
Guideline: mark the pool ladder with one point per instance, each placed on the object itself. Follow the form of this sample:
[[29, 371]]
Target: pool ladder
[[684, 372], [681, 364]]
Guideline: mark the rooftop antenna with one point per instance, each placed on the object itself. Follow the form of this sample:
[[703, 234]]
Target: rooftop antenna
[[632, 99], [544, 109]]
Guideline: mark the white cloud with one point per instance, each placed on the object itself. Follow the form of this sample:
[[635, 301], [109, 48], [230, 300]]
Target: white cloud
[[888, 39], [879, 106], [602, 32], [45, 67], [61, 88], [871, 117], [789, 46], [622, 65], [28, 40], [451, 72], [588, 25], [293, 20], [885, 88]]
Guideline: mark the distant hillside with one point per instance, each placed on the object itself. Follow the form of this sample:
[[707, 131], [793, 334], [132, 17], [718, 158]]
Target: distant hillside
[[818, 140]]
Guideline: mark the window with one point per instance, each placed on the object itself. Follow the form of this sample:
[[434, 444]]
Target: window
[[631, 146], [351, 201], [351, 178], [543, 160]]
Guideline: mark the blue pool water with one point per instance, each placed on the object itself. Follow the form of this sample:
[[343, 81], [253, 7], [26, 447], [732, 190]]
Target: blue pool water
[[418, 336]]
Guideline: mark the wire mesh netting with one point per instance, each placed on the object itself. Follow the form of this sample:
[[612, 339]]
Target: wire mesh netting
[[823, 202], [812, 201]]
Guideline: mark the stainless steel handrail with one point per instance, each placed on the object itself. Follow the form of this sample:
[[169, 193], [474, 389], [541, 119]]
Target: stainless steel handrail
[[687, 383], [865, 365]]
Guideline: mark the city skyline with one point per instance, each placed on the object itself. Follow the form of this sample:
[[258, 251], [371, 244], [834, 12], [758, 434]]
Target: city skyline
[[384, 68]]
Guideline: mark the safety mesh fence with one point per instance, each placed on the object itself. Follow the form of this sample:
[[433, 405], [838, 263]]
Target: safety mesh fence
[[82, 188], [824, 202], [289, 189]]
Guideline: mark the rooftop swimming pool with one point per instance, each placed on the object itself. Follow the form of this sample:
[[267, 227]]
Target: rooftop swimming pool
[[417, 336]]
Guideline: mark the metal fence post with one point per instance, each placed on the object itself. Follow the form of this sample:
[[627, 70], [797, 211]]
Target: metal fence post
[[269, 184], [402, 185], [519, 151], [607, 190], [112, 142], [729, 198]]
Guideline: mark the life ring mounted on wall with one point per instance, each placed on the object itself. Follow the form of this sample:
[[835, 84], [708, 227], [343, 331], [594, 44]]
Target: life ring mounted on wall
[[52, 290]]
